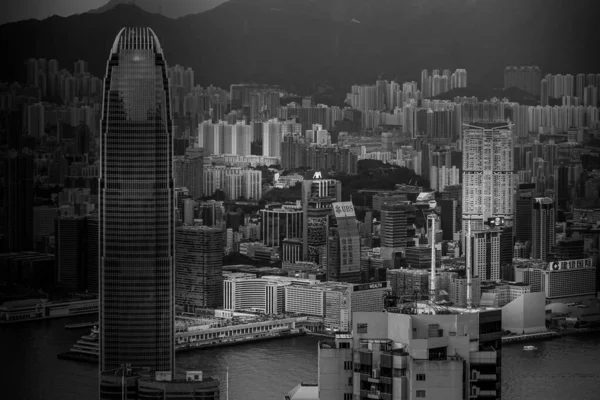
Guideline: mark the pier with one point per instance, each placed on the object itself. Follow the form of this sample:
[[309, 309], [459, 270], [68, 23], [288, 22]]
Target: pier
[[530, 337]]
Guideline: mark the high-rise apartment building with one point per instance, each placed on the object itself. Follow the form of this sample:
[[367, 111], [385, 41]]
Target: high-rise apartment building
[[273, 133], [198, 266], [399, 356], [235, 182], [525, 77], [188, 173], [35, 120], [543, 222], [485, 254], [224, 138], [488, 177], [136, 207]]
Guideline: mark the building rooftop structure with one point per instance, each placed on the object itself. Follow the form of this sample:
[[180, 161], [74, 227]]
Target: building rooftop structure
[[303, 391]]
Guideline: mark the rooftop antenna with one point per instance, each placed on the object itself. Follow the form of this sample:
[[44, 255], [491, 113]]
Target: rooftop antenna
[[468, 265]]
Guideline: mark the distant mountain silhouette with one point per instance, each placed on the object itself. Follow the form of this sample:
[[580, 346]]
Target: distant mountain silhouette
[[297, 43], [168, 8]]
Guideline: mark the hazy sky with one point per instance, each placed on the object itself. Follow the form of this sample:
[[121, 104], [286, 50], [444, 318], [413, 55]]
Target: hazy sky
[[16, 10]]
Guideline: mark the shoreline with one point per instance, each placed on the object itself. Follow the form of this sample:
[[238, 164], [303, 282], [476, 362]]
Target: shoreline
[[549, 335], [93, 359]]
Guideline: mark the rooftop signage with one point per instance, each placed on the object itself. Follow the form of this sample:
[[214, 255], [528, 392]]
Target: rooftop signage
[[570, 264]]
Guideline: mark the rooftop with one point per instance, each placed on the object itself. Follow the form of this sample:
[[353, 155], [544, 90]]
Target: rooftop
[[304, 391]]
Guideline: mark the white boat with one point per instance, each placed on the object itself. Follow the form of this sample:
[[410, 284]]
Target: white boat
[[529, 348]]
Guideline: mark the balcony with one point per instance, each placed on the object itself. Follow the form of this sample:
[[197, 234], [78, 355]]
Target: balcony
[[478, 393], [477, 376]]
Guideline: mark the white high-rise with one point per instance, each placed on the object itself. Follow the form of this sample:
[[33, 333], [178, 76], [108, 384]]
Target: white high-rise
[[273, 133], [224, 138], [488, 177]]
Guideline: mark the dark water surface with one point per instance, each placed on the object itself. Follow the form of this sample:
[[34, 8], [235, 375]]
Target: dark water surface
[[565, 368]]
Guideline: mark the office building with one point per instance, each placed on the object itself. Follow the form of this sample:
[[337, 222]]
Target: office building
[[568, 280], [418, 257], [400, 356], [280, 224], [458, 291], [265, 295], [71, 252], [393, 229], [136, 208], [499, 295], [449, 223], [142, 383], [488, 178], [318, 196], [335, 302], [211, 212], [343, 245], [543, 222], [523, 208], [409, 282], [198, 267], [17, 202], [92, 252]]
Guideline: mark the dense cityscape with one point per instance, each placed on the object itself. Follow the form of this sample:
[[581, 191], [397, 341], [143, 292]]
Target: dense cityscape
[[416, 230]]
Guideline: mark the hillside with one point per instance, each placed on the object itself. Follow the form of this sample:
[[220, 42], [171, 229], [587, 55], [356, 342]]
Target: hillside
[[168, 8], [297, 43]]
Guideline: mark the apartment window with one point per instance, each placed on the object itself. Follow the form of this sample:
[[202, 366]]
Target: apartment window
[[420, 377], [347, 396], [350, 383], [347, 365], [420, 394], [361, 328]]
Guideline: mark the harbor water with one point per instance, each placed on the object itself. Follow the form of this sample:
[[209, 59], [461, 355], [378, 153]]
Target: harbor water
[[562, 368]]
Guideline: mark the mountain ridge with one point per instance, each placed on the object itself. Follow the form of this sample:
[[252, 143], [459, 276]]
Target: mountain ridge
[[173, 9], [297, 43]]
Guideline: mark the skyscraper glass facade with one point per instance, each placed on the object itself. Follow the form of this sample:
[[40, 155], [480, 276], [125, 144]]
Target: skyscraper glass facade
[[136, 237]]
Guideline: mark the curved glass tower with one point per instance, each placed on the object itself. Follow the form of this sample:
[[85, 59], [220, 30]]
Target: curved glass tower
[[136, 211]]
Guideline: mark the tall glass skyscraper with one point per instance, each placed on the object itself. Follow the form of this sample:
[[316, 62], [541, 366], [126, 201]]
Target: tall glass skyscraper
[[136, 218]]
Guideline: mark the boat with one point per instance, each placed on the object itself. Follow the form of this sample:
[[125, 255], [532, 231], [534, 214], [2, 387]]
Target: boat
[[86, 349], [529, 348]]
